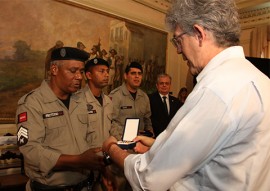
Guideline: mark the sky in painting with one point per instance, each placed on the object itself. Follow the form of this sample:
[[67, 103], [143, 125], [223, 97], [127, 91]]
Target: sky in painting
[[42, 22]]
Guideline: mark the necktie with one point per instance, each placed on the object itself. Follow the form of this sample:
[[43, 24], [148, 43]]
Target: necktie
[[165, 104]]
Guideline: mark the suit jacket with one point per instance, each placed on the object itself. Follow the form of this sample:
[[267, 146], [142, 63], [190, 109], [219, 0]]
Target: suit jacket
[[159, 118]]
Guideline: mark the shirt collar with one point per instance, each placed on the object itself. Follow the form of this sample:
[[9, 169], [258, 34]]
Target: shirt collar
[[167, 96], [228, 53]]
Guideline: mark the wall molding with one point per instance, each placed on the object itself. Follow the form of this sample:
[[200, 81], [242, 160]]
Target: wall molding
[[251, 13], [159, 5], [124, 10], [255, 17]]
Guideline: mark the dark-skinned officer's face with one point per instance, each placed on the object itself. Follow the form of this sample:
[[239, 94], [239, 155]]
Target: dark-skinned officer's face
[[68, 76], [98, 76]]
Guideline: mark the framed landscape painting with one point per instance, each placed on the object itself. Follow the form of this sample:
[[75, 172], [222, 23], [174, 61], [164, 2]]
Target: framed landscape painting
[[28, 34]]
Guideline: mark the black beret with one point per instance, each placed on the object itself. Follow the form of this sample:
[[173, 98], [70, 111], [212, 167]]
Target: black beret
[[69, 53], [133, 65], [95, 62]]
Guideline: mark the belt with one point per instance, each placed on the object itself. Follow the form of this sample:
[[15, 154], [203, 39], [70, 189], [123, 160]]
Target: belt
[[37, 186]]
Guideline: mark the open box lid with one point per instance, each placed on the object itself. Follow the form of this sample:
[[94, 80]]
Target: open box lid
[[131, 129]]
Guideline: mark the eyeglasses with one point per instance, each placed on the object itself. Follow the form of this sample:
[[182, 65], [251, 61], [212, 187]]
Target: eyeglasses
[[164, 83], [175, 40]]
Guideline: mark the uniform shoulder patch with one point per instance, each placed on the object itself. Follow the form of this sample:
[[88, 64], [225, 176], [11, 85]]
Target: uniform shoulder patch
[[22, 117], [22, 136]]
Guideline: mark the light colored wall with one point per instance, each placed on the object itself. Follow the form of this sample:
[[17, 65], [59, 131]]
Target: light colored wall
[[255, 36]]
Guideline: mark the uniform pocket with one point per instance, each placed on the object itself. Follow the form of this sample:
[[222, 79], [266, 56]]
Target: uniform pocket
[[84, 123], [142, 109], [91, 135], [83, 119], [109, 116], [93, 119], [55, 127]]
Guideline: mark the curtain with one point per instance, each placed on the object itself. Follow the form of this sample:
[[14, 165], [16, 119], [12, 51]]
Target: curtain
[[260, 42]]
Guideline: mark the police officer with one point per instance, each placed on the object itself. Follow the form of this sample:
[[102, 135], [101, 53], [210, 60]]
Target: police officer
[[99, 105], [129, 101], [53, 128]]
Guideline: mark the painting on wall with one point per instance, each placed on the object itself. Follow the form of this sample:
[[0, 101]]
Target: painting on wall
[[28, 34]]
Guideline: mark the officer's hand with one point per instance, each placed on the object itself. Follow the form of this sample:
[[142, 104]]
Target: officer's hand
[[91, 159]]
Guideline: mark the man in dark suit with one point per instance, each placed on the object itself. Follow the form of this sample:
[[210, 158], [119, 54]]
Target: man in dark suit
[[161, 113]]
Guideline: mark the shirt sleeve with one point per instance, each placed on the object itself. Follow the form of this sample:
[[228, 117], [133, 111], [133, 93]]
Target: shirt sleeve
[[147, 116], [117, 128], [36, 154], [194, 135]]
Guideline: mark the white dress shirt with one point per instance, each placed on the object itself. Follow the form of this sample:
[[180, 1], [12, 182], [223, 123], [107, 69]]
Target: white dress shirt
[[220, 137]]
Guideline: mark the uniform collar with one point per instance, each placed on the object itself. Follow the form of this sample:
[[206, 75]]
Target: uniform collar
[[90, 98], [127, 93], [49, 96]]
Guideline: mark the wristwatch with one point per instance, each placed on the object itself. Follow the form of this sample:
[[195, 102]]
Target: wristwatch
[[107, 159]]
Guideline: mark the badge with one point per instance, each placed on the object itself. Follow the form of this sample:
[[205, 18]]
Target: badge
[[126, 107], [22, 136], [89, 107], [63, 52], [53, 114], [22, 117], [95, 61]]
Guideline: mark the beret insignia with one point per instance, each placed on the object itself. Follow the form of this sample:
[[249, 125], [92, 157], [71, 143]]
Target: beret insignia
[[63, 52]]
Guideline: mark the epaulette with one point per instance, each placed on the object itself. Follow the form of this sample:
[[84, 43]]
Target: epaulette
[[23, 99], [78, 95], [80, 91], [115, 90]]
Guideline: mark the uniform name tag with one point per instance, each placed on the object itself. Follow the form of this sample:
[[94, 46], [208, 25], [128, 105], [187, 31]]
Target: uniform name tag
[[92, 112], [53, 114], [126, 107]]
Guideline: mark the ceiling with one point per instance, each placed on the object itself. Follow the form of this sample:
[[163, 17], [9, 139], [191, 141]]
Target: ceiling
[[248, 5], [243, 5]]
